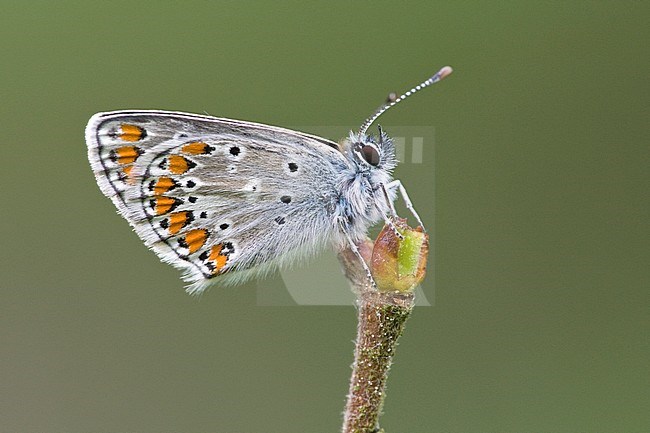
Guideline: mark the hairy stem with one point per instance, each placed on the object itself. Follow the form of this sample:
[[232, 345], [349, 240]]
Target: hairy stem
[[381, 321]]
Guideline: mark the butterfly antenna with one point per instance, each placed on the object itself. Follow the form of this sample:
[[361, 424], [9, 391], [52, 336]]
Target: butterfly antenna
[[444, 72]]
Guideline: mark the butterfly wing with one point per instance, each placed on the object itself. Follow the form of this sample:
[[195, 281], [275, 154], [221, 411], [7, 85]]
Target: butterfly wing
[[220, 199]]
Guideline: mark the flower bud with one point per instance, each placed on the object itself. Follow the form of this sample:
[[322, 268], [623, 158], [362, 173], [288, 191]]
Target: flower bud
[[399, 264]]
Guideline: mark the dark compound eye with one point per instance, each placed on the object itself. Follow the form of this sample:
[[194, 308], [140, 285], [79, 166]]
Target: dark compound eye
[[370, 154]]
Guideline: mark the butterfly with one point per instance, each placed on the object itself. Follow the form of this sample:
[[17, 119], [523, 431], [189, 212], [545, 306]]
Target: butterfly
[[225, 200]]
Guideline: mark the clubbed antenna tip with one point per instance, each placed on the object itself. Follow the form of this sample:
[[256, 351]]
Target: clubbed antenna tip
[[445, 72]]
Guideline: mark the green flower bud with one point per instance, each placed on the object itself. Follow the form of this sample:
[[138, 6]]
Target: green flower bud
[[399, 264]]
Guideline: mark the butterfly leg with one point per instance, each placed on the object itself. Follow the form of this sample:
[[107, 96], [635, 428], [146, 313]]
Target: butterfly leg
[[407, 200], [388, 219], [356, 251]]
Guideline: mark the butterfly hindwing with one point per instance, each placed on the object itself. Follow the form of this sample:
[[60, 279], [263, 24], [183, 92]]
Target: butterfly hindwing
[[217, 198]]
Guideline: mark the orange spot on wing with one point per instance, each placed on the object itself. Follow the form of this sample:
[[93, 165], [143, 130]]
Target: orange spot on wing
[[179, 164], [196, 148], [127, 154], [131, 132], [164, 205], [177, 221], [217, 258], [194, 239], [163, 185], [127, 175]]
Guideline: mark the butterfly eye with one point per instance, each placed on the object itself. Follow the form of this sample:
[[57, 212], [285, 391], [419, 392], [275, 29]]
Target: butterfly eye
[[370, 154]]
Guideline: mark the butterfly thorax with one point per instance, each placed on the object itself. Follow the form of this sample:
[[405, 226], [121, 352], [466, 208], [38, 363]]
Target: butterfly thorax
[[361, 201]]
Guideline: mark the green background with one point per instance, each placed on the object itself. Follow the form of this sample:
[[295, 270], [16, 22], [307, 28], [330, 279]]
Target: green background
[[540, 259]]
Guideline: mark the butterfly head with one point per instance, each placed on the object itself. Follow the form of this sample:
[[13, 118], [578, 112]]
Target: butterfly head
[[370, 153]]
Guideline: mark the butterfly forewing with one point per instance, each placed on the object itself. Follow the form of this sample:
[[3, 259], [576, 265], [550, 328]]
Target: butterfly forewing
[[212, 196]]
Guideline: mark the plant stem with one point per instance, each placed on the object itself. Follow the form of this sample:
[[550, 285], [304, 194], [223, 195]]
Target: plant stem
[[381, 322], [381, 316]]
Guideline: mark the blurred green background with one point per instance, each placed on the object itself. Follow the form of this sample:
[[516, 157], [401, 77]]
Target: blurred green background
[[539, 275]]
